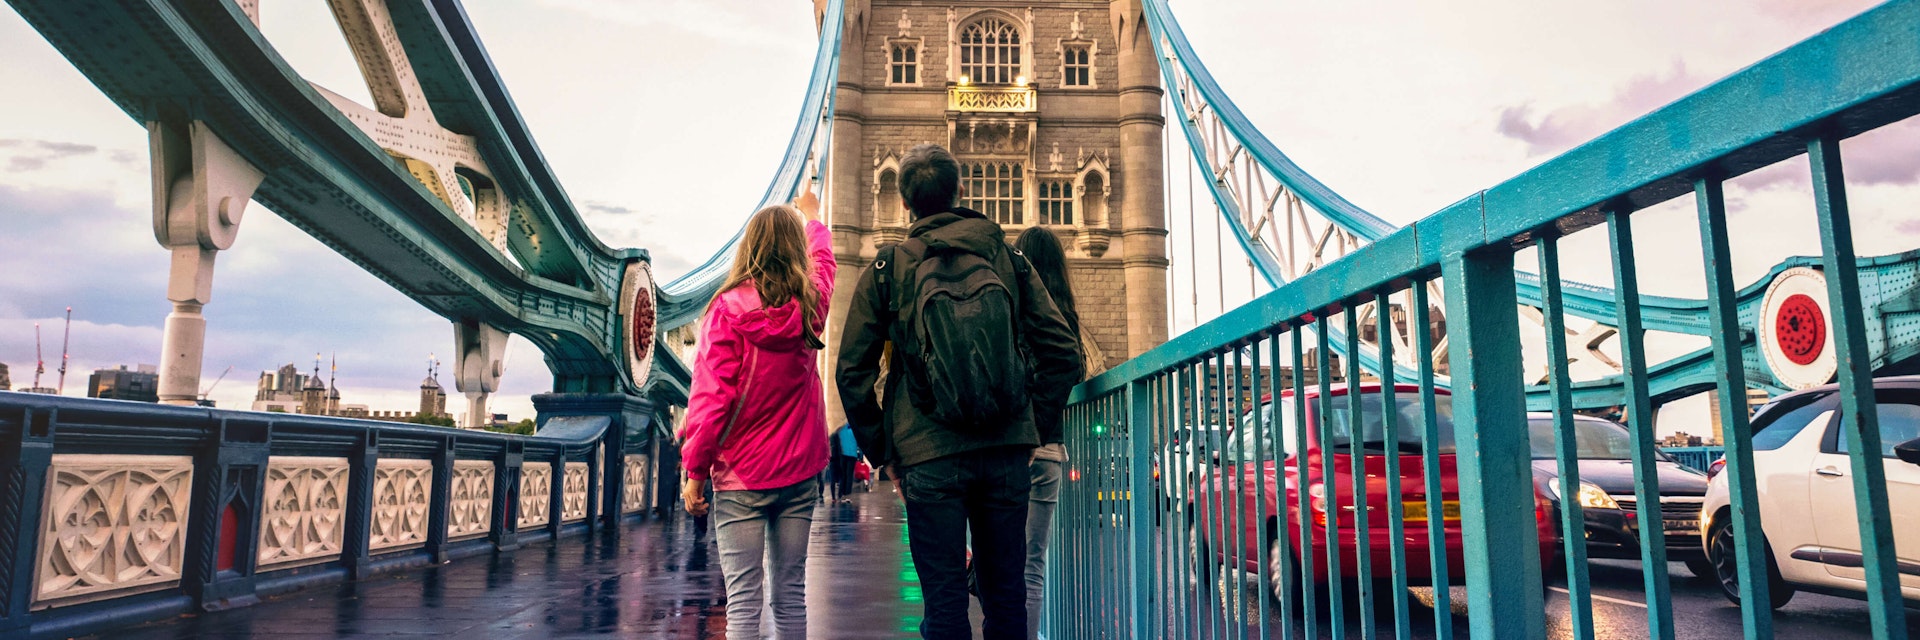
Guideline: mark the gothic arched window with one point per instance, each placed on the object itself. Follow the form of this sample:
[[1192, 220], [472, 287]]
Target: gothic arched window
[[990, 51]]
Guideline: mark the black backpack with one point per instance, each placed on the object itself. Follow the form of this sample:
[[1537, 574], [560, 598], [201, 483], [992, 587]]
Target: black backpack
[[957, 340]]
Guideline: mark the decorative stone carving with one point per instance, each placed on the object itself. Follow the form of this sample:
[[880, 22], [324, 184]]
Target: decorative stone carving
[[304, 519], [471, 508], [639, 469], [402, 495], [994, 99], [636, 301], [906, 24], [536, 486], [573, 494], [112, 524]]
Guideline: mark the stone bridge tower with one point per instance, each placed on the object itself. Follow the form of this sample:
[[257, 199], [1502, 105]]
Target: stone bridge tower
[[1054, 111]]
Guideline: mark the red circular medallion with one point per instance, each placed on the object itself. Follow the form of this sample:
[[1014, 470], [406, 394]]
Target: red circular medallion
[[642, 316], [1800, 329]]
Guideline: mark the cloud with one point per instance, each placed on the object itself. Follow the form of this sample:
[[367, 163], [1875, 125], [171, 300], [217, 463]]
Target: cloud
[[1909, 227], [278, 297], [1883, 156], [34, 155], [604, 208], [1561, 129]]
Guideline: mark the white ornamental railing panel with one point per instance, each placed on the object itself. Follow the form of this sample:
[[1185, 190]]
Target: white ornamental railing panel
[[573, 494], [304, 520], [634, 493], [112, 524], [471, 511], [536, 494], [402, 495]]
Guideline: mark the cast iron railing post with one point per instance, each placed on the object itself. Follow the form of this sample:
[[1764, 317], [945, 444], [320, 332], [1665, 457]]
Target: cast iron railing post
[[440, 501], [1860, 424], [23, 484], [1756, 612], [230, 471], [556, 493], [505, 532], [1140, 435], [1502, 546], [359, 525]]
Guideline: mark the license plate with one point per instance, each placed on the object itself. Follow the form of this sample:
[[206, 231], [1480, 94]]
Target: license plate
[[1683, 526], [1417, 511]]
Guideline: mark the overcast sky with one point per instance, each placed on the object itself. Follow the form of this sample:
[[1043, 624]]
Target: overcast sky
[[665, 118]]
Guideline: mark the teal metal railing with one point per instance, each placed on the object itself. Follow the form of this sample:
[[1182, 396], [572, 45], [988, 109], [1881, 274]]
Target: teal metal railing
[[1161, 537]]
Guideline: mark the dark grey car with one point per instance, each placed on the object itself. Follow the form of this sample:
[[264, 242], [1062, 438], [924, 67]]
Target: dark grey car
[[1607, 496]]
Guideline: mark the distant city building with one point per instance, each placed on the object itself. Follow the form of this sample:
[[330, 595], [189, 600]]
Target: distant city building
[[280, 390], [433, 399], [5, 382], [1681, 439], [290, 391], [141, 384]]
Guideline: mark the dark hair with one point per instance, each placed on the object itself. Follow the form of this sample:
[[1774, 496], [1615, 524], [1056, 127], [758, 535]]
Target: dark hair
[[1049, 261], [929, 180]]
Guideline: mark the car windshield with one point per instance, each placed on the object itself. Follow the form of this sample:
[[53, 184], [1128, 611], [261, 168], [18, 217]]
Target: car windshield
[[1595, 439], [1408, 417]]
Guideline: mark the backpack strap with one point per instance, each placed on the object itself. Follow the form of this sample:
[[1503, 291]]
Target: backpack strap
[[883, 281], [886, 264]]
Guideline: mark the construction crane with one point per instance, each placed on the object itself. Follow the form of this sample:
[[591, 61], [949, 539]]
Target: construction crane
[[65, 336], [39, 359], [204, 402]]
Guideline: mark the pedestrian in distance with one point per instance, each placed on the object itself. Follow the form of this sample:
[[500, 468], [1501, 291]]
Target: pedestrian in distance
[[756, 417], [845, 451], [980, 368]]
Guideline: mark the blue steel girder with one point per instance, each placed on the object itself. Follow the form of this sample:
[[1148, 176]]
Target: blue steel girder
[[178, 60], [1890, 284], [1211, 116], [1758, 116]]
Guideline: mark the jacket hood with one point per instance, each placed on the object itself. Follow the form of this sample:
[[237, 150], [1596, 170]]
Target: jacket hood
[[770, 328], [962, 229]]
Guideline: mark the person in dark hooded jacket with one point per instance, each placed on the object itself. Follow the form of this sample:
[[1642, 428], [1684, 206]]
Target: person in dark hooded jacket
[[956, 480]]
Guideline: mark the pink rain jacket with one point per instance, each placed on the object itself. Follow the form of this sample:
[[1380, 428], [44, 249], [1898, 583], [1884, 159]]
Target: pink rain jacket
[[755, 371]]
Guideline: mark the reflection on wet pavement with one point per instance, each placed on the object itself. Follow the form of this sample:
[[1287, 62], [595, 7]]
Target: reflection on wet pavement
[[658, 579]]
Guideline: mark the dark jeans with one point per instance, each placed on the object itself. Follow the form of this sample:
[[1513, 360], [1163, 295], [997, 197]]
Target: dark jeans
[[985, 492]]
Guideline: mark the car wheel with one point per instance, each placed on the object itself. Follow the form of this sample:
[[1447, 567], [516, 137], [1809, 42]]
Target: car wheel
[[1701, 567], [1199, 555], [1721, 553], [1279, 568]]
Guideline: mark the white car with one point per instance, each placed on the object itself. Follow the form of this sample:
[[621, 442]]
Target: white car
[[1805, 489]]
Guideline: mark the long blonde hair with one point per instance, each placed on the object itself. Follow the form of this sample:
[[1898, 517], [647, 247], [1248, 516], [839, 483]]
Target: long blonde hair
[[773, 255]]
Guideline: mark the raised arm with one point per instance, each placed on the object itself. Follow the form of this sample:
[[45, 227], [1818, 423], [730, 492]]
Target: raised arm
[[825, 268]]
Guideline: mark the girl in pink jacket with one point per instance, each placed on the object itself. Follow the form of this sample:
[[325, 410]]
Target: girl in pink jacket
[[756, 419]]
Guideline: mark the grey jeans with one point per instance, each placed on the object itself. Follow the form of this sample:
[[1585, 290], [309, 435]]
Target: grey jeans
[[1041, 501], [763, 539]]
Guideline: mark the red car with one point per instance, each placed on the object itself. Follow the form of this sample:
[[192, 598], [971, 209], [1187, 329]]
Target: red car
[[1237, 454]]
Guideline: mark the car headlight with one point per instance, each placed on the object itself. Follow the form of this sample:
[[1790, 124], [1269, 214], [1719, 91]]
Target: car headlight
[[1591, 496]]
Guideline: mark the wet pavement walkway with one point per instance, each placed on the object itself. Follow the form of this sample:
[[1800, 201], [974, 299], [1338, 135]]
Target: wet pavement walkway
[[659, 579]]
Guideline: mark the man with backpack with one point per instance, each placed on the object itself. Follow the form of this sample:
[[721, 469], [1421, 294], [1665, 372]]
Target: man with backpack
[[978, 376]]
